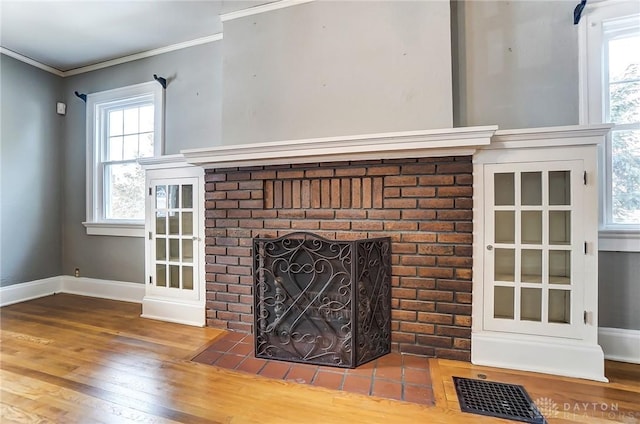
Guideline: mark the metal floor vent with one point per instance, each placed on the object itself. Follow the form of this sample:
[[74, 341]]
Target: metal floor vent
[[498, 400]]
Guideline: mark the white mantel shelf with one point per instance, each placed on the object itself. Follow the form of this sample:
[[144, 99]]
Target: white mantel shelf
[[398, 145]]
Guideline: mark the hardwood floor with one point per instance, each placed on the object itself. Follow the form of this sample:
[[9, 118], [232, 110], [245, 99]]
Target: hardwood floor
[[72, 359]]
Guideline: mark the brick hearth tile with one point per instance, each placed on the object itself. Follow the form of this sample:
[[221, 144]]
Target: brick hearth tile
[[416, 376], [208, 357], [390, 360], [234, 336], [415, 361], [365, 370], [388, 372], [222, 345], [329, 379], [243, 349], [248, 338], [357, 384], [418, 394], [302, 373], [275, 369], [251, 365], [229, 361], [387, 389]]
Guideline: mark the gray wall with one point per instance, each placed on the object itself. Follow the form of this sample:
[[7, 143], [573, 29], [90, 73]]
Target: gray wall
[[192, 109], [331, 68], [619, 294], [30, 173], [515, 63]]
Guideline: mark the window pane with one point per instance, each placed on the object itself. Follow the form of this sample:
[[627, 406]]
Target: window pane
[[503, 302], [124, 191], [625, 181], [130, 147], [560, 188], [115, 122], [114, 150], [146, 118], [624, 101], [622, 58], [531, 183], [146, 145], [131, 120], [504, 189]]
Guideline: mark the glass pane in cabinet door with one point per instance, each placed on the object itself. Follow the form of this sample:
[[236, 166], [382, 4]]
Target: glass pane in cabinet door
[[187, 250], [187, 277], [531, 304], [505, 262], [187, 223], [531, 227], [161, 197], [174, 250], [174, 276], [503, 302], [531, 267], [559, 267], [505, 223], [161, 249], [174, 194], [174, 223], [504, 189], [161, 222], [559, 188], [560, 306], [187, 196], [161, 275], [531, 183], [560, 227]]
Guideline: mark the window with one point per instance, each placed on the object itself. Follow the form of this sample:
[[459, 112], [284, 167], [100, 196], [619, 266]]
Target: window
[[610, 91], [122, 125]]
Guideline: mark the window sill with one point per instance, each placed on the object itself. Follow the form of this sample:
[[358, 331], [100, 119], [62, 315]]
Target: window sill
[[120, 229], [619, 240]]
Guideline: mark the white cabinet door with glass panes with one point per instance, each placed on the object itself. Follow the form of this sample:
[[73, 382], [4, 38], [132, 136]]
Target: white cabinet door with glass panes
[[534, 248], [174, 238]]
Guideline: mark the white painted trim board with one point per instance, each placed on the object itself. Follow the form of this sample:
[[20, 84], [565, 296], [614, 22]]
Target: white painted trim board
[[620, 344], [92, 287]]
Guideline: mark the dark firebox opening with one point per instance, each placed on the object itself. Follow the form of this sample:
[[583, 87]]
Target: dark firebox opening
[[320, 301]]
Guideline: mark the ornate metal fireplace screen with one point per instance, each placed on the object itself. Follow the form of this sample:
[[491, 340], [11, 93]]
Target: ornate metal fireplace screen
[[320, 301]]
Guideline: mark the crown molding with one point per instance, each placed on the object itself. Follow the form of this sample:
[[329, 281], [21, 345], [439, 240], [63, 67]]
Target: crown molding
[[113, 62], [31, 62], [261, 9]]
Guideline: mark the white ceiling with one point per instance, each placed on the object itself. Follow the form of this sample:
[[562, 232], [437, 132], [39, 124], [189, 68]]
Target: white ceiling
[[67, 35]]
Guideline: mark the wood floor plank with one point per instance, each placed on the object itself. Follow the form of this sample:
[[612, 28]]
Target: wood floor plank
[[71, 359]]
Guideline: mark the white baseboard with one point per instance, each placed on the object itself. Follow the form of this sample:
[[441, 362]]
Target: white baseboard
[[105, 289], [174, 310], [538, 354], [22, 292], [620, 344], [93, 287]]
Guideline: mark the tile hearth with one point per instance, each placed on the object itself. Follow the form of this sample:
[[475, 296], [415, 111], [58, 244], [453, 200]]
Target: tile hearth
[[396, 376]]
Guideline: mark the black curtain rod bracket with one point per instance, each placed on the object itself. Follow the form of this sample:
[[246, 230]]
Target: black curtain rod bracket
[[577, 12], [162, 81], [81, 96]]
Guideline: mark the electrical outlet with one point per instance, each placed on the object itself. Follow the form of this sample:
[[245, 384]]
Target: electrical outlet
[[76, 272]]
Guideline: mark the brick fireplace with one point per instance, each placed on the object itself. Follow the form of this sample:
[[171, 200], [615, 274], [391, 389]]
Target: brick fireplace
[[424, 205]]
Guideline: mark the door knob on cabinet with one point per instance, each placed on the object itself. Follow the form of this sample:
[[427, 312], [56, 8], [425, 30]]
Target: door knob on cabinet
[[489, 247]]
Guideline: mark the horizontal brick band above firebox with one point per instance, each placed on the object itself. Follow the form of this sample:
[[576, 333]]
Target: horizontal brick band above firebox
[[424, 205]]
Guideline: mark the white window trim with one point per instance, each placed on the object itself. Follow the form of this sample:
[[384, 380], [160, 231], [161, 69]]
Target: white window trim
[[611, 237], [95, 224]]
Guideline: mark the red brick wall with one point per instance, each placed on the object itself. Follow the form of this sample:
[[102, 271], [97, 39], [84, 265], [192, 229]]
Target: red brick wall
[[424, 205]]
